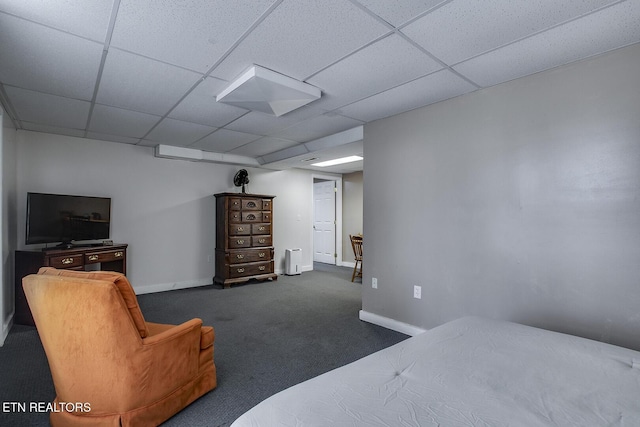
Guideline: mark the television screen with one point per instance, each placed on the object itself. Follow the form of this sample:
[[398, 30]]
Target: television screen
[[63, 218]]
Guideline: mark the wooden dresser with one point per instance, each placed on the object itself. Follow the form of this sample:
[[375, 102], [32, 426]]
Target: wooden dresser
[[96, 257], [244, 239]]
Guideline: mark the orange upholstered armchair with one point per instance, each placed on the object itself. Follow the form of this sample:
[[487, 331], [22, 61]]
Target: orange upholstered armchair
[[109, 366]]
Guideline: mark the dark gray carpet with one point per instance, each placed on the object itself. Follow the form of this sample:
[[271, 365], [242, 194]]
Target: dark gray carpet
[[269, 336]]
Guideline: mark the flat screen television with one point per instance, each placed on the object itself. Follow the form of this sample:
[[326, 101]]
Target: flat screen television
[[62, 218]]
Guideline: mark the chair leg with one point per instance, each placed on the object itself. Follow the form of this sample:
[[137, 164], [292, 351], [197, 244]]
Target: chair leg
[[355, 267]]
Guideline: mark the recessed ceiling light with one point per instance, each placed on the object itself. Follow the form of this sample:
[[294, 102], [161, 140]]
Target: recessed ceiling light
[[311, 159], [339, 161]]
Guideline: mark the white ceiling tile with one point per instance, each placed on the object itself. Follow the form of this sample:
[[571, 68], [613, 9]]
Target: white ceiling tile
[[112, 138], [37, 127], [265, 124], [200, 105], [193, 34], [424, 91], [376, 68], [48, 109], [263, 146], [576, 40], [142, 84], [116, 121], [317, 127], [81, 17], [40, 58], [178, 133], [397, 13], [301, 37], [462, 29], [223, 140]]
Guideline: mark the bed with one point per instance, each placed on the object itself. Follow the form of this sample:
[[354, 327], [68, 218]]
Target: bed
[[469, 372]]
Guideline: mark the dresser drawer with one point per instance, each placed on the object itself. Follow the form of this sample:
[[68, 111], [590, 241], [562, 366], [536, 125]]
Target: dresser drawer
[[239, 229], [103, 256], [251, 204], [235, 203], [249, 255], [261, 240], [239, 242], [67, 261], [266, 204], [252, 269], [260, 228], [254, 216]]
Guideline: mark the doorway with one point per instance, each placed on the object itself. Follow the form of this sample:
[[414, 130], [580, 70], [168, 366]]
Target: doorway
[[327, 220]]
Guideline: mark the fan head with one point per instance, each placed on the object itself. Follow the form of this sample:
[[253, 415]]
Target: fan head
[[241, 178]]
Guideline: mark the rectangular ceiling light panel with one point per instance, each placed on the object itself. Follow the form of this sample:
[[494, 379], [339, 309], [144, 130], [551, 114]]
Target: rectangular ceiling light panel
[[259, 89]]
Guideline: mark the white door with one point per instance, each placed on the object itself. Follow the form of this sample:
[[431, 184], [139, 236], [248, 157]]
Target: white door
[[324, 222]]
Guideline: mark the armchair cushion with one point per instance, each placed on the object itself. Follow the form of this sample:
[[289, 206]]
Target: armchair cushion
[[125, 288]]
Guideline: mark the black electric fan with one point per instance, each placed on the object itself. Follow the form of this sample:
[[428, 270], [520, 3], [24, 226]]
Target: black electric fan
[[241, 178]]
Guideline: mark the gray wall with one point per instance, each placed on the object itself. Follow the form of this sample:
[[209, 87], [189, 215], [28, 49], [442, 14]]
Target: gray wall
[[164, 209], [518, 202]]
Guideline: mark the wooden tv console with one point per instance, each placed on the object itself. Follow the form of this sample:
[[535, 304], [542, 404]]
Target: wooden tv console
[[103, 257]]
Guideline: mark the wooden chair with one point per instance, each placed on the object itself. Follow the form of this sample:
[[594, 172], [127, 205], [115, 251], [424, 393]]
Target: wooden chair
[[356, 244]]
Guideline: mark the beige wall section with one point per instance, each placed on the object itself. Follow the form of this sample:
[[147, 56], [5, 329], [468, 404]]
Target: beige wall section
[[351, 212]]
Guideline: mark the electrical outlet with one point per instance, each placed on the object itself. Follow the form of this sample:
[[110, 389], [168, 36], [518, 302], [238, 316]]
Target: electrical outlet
[[374, 283], [417, 292]]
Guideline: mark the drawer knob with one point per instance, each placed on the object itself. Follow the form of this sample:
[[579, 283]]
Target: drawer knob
[[241, 270], [119, 254], [251, 216], [262, 240], [261, 268], [240, 242], [251, 204], [240, 229], [67, 261], [261, 254], [93, 257], [262, 228], [240, 256]]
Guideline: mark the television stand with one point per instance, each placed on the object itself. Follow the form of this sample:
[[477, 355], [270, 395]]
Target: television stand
[[110, 258]]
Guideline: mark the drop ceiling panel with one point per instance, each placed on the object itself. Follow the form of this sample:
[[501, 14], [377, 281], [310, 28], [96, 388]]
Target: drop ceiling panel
[[116, 121], [424, 91], [265, 124], [85, 18], [462, 29], [37, 127], [398, 13], [193, 34], [51, 110], [301, 37], [224, 140], [378, 67], [113, 138], [40, 58], [200, 105], [142, 84], [578, 39], [317, 127], [178, 133], [263, 146]]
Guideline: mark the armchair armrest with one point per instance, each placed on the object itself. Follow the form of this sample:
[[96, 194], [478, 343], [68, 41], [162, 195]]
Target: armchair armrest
[[160, 332]]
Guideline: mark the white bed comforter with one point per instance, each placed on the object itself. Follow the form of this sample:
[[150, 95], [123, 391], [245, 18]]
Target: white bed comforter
[[469, 372]]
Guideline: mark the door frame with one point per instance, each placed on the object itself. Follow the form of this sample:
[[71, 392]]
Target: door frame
[[338, 181]]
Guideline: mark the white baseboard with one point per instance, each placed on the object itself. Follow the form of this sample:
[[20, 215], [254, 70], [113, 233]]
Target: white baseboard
[[389, 323], [348, 264], [162, 287]]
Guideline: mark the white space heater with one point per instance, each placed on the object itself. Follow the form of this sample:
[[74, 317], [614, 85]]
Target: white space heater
[[292, 260]]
